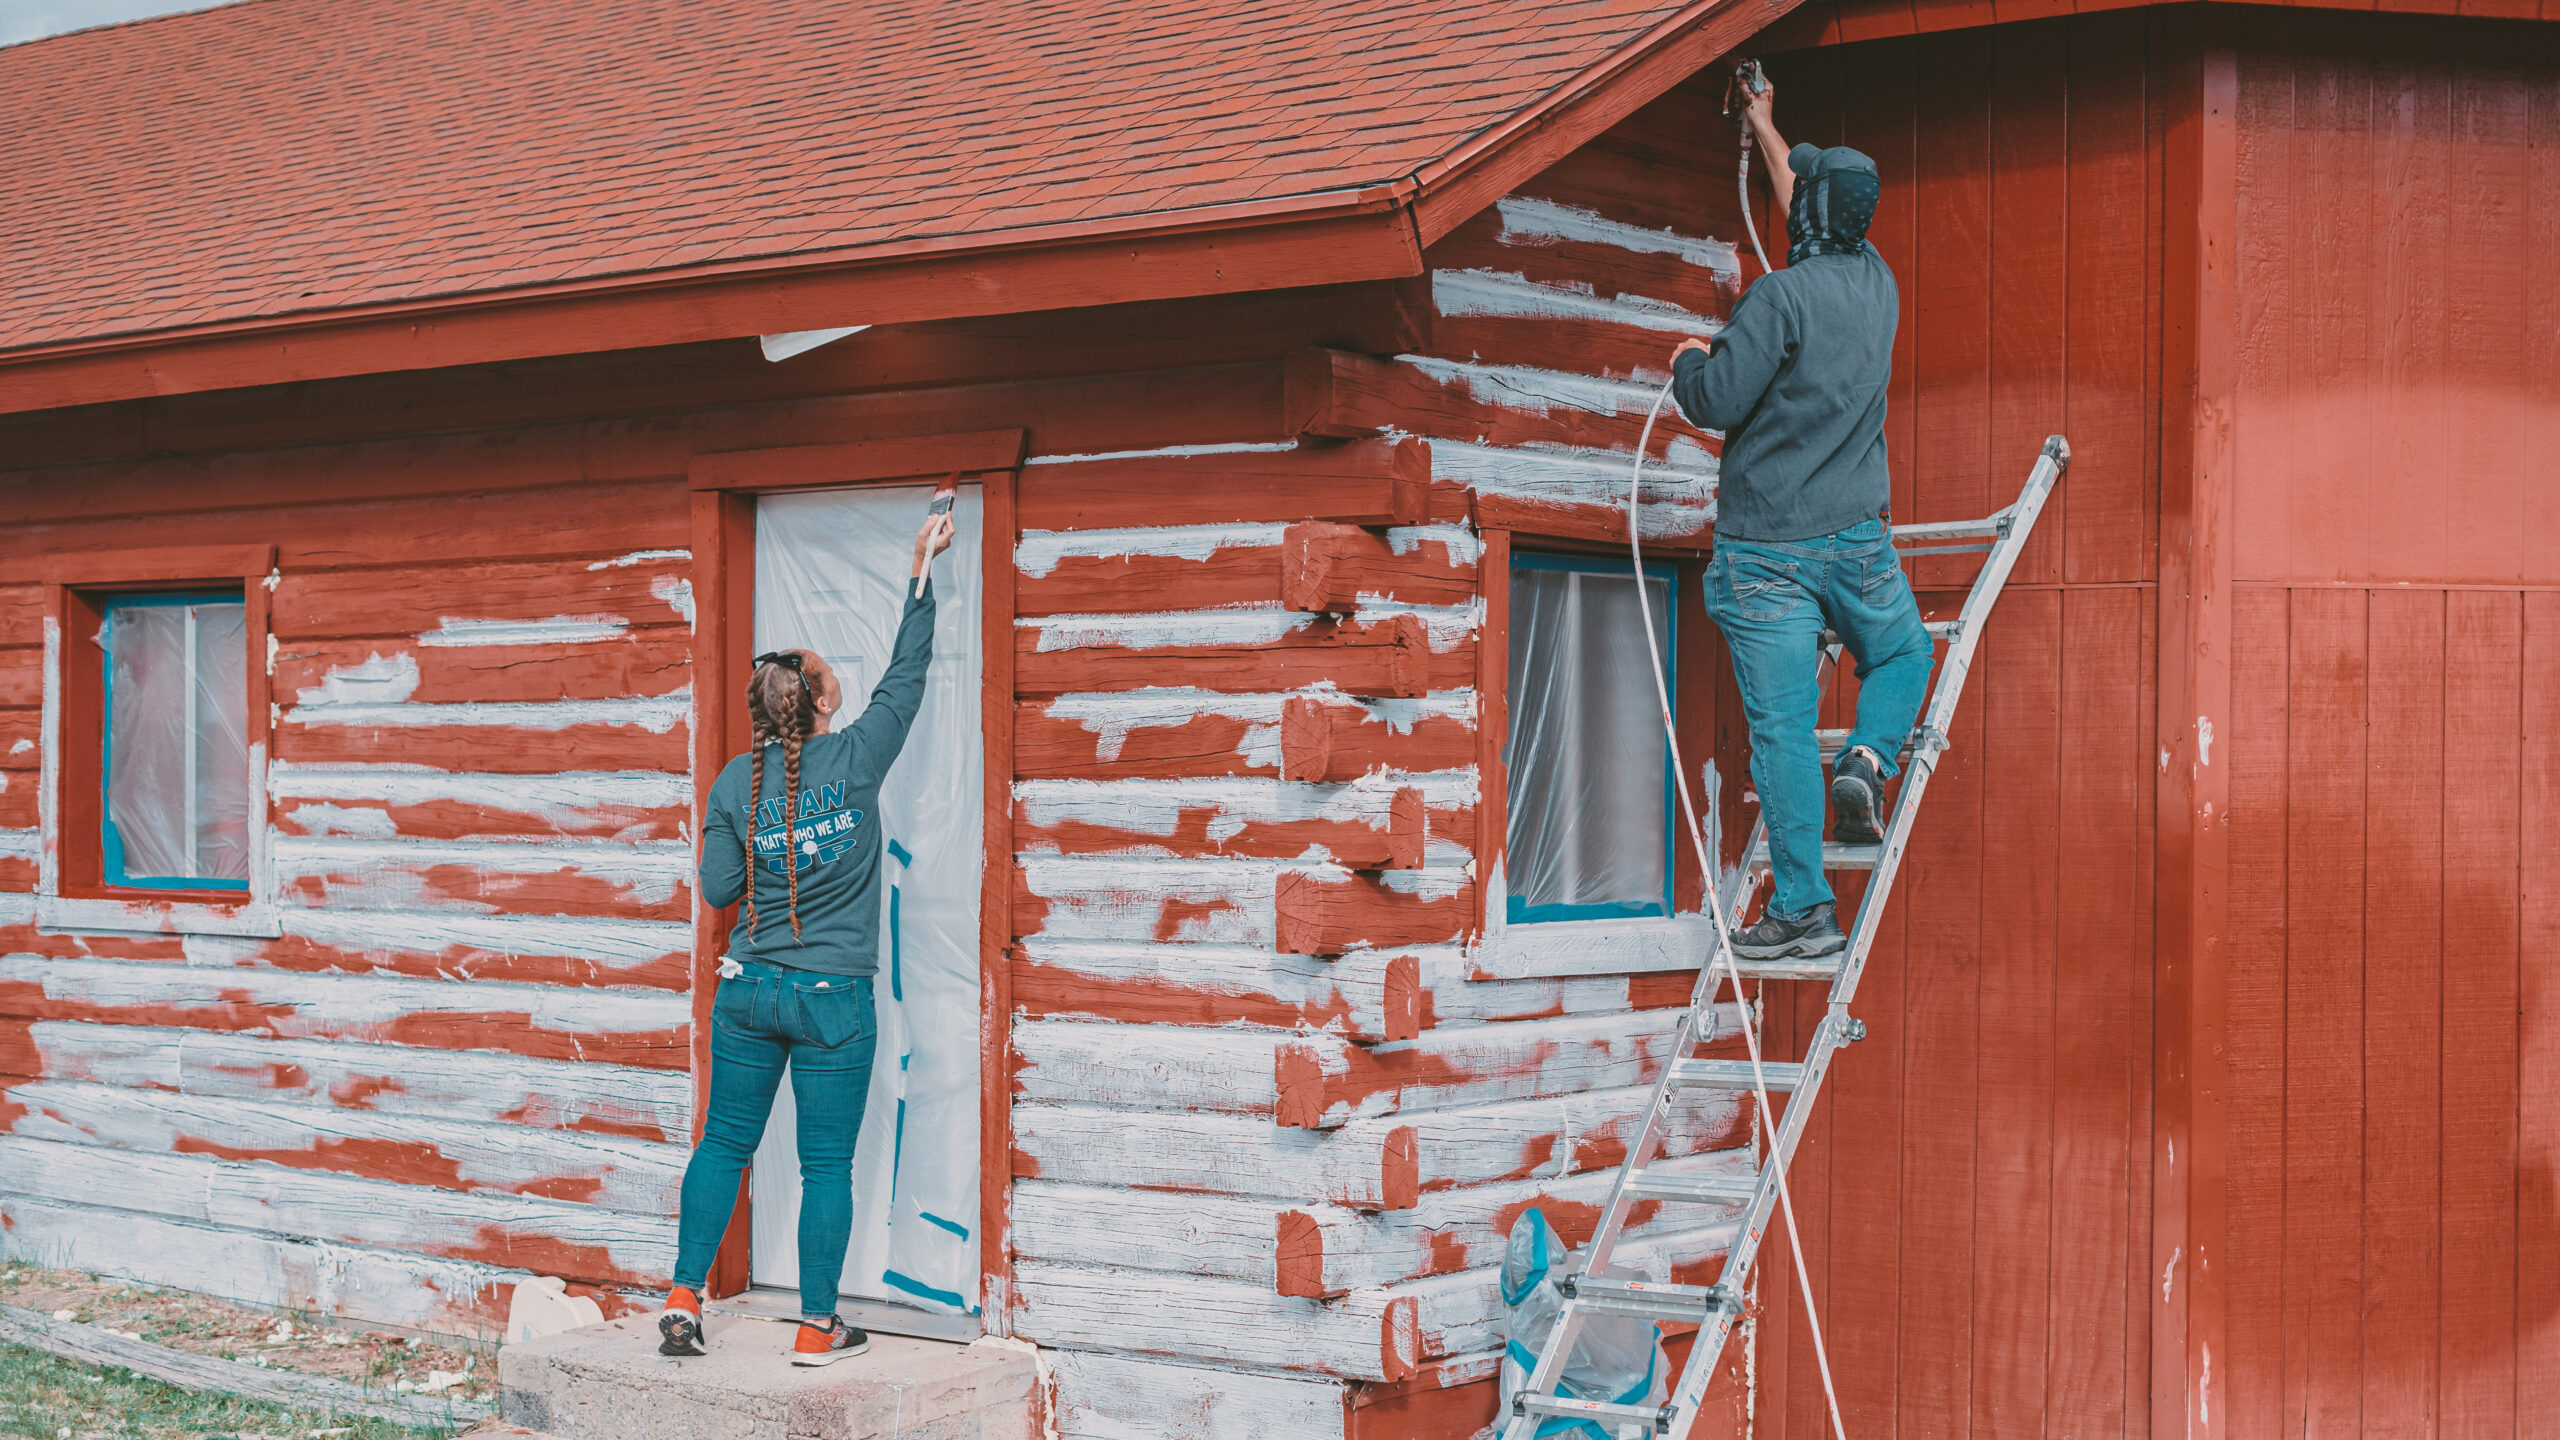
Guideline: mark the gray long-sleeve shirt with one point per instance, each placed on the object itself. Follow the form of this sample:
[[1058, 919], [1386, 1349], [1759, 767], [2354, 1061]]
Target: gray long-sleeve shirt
[[835, 843], [1797, 384]]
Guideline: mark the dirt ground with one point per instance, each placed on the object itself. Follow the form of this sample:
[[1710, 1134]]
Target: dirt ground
[[376, 1359]]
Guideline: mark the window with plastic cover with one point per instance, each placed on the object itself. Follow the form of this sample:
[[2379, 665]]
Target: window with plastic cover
[[176, 760], [1589, 833]]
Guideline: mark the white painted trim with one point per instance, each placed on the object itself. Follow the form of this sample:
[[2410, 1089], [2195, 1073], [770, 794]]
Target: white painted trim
[[1558, 948]]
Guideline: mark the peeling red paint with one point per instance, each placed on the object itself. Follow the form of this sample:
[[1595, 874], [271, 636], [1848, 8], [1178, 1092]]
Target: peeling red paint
[[565, 891], [546, 1255], [671, 971], [1176, 912], [356, 1092], [1052, 990], [271, 1076], [580, 1188], [404, 1162]]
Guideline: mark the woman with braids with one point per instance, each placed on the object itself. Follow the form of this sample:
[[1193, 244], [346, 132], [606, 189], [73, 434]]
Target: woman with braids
[[793, 832]]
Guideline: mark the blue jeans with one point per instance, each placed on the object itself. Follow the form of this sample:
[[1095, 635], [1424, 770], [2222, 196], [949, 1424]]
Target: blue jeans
[[1772, 601], [822, 1027]]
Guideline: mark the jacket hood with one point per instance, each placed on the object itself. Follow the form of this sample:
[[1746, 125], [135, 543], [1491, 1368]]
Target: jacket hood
[[1835, 200]]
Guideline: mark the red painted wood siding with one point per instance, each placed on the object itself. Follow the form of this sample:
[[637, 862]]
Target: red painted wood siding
[[2399, 222], [1975, 1188]]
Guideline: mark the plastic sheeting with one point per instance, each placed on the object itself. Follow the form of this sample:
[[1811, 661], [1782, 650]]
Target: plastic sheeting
[[177, 742], [1617, 1358], [1590, 817], [831, 576]]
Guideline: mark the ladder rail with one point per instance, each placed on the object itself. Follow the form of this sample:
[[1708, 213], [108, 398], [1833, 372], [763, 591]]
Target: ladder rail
[[1723, 1306]]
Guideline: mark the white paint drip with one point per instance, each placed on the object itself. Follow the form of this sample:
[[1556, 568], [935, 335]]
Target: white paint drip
[[2204, 740], [1534, 220], [677, 592], [456, 632], [641, 557], [2169, 1273], [1039, 551], [1168, 452], [655, 713], [22, 746], [378, 680], [1484, 292]]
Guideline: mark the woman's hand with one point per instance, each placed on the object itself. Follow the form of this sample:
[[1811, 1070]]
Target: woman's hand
[[932, 540]]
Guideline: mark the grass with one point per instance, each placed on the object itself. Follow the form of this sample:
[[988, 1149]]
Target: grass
[[44, 1397]]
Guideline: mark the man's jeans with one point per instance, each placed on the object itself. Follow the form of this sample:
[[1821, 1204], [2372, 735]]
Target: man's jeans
[[1773, 601], [824, 1029]]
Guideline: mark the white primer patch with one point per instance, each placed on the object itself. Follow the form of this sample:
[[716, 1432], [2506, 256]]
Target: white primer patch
[[652, 870], [1445, 626], [1114, 716], [1039, 551], [562, 791], [1462, 544], [1533, 220], [2204, 740], [641, 557], [655, 713], [1538, 392], [22, 746], [455, 632], [677, 591], [1485, 292], [607, 940], [26, 844], [1156, 807], [1168, 452], [1679, 494], [377, 680]]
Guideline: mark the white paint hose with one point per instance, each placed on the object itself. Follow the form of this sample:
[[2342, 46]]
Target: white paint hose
[[1707, 881]]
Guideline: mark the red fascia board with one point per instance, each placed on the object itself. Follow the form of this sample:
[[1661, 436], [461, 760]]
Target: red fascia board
[[859, 462], [1363, 235], [1490, 166]]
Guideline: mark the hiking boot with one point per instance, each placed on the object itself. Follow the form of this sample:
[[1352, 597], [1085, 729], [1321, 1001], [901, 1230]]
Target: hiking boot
[[1808, 936], [826, 1344], [1857, 797], [680, 1324]]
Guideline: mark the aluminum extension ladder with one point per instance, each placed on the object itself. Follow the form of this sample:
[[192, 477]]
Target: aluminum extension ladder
[[1717, 1309]]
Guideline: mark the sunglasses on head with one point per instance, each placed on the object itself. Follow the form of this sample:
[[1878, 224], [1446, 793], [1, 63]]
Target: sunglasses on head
[[790, 658]]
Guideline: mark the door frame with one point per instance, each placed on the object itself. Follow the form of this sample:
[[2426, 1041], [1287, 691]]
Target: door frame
[[725, 485]]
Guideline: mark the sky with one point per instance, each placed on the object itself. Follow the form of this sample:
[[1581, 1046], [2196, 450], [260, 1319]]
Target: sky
[[22, 20]]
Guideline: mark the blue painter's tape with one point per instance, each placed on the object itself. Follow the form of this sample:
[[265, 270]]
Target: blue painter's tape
[[960, 1230], [922, 1291], [899, 853]]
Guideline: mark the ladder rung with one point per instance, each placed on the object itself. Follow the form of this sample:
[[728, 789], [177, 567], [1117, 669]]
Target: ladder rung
[[1644, 1299], [1645, 1415], [1835, 856], [1694, 1189], [1793, 967], [1834, 741], [1925, 551], [1734, 1074], [1938, 630], [1932, 529]]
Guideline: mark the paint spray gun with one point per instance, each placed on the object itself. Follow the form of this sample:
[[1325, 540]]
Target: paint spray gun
[[1747, 80]]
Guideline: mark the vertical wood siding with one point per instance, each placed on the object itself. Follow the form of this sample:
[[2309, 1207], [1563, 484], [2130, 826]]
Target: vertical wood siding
[[1975, 1186]]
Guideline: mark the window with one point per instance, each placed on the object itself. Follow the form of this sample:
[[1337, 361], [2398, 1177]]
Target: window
[[1589, 770], [175, 753]]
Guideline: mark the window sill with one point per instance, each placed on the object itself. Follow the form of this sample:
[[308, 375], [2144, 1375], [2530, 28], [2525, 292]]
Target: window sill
[[1557, 948], [64, 914]]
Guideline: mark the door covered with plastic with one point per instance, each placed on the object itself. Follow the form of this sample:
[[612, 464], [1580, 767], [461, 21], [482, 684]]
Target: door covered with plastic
[[831, 576]]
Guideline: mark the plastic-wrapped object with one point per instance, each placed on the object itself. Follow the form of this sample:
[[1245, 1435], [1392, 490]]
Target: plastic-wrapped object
[[177, 742], [1617, 1358]]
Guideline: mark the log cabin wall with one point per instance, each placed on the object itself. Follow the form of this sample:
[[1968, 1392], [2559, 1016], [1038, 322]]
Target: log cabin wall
[[1976, 1186], [2395, 1098]]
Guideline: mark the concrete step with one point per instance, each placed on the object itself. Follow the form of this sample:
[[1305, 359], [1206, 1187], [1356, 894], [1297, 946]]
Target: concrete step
[[608, 1382]]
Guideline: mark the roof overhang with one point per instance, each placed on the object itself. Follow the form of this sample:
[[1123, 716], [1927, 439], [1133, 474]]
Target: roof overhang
[[1322, 239]]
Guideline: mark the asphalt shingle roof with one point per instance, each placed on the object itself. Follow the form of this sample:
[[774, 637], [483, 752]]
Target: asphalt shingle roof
[[293, 156]]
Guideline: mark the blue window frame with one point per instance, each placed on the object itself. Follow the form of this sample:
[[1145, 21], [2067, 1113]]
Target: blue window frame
[[1589, 834], [174, 762]]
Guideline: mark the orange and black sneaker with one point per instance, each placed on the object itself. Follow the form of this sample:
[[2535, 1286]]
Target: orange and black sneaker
[[680, 1324], [826, 1344]]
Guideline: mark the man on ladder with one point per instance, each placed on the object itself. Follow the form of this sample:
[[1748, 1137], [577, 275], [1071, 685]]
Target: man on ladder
[[1796, 381]]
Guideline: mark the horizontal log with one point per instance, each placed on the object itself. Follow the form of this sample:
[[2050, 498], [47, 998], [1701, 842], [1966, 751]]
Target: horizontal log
[[1221, 900], [610, 591], [1551, 243], [383, 801], [1324, 1081], [1365, 1165], [1322, 1251], [1375, 823], [1582, 494], [1173, 733], [1317, 389], [21, 739], [1100, 1396], [17, 801], [1370, 482], [21, 615], [502, 1159], [612, 665], [517, 1232], [94, 1345], [1371, 996], [1322, 915], [1500, 315], [617, 1027], [650, 880], [1324, 739], [1070, 572], [1335, 569], [1368, 1335], [21, 679], [1525, 405], [425, 1293], [439, 739], [1224, 650], [586, 1096]]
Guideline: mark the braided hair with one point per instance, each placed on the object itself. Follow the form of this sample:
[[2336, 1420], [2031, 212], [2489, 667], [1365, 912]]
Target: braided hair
[[781, 707]]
